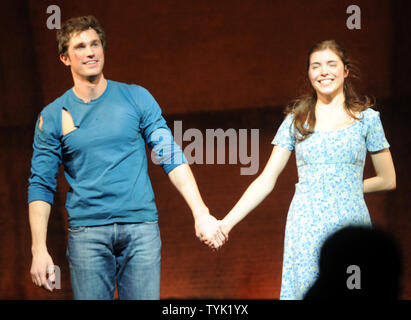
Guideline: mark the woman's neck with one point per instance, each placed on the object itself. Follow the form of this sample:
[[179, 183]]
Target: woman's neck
[[330, 102]]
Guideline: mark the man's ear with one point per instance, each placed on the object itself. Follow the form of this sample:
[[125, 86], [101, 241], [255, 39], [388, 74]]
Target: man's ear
[[65, 59]]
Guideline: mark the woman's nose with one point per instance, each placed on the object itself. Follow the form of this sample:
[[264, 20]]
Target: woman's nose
[[324, 70]]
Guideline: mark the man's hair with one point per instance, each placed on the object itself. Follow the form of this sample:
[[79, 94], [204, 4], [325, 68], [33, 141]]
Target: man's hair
[[77, 25]]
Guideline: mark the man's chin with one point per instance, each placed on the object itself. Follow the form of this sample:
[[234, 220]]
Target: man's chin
[[93, 77]]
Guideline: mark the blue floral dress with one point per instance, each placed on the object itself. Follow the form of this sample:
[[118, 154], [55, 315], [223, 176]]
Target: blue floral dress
[[328, 195]]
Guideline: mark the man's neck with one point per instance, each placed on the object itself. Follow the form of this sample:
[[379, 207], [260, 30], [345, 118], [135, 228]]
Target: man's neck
[[89, 89]]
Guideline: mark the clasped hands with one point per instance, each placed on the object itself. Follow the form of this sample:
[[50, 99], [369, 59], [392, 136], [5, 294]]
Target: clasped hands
[[210, 231]]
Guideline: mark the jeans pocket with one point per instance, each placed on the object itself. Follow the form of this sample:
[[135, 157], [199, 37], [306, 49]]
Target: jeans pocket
[[77, 229]]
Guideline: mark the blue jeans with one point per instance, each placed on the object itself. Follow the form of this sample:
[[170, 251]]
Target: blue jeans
[[126, 254]]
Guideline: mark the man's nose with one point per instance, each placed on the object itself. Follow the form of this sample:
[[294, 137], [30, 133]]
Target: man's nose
[[89, 51]]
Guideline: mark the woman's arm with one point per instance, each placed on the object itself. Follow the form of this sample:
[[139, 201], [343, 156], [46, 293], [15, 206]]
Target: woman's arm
[[385, 173], [258, 189]]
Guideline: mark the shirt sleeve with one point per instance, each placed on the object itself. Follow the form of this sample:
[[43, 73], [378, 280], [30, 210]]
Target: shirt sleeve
[[375, 137], [45, 162], [156, 133], [285, 135]]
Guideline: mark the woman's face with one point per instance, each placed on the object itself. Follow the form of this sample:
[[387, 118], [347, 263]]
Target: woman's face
[[326, 72]]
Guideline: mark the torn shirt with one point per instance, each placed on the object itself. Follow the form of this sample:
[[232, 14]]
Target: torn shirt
[[104, 157]]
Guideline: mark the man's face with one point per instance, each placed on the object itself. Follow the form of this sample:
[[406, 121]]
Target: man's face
[[85, 55]]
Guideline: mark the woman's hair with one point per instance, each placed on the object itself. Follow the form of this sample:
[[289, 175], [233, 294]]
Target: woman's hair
[[77, 25], [303, 108]]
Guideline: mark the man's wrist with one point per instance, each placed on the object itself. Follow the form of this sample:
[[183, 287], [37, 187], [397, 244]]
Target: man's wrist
[[36, 250], [200, 212]]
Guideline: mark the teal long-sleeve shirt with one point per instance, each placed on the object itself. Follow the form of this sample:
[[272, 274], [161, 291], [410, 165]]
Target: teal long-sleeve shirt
[[104, 158]]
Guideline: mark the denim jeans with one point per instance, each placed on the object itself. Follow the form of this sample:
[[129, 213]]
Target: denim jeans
[[126, 254]]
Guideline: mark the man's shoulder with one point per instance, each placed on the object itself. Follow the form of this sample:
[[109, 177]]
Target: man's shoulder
[[56, 105], [139, 96], [133, 88]]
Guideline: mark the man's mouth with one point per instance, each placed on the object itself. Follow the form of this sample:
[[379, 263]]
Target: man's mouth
[[91, 62]]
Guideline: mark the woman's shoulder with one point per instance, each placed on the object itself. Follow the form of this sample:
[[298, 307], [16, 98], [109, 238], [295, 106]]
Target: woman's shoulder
[[289, 117], [370, 119], [369, 114]]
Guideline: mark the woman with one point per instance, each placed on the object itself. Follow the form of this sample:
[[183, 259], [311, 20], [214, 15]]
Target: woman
[[330, 131]]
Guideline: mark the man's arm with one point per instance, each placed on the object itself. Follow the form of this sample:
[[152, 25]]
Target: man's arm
[[206, 226], [42, 264], [42, 186], [169, 155]]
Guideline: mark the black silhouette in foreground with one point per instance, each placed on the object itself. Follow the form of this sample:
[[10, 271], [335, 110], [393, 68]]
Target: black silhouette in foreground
[[358, 263]]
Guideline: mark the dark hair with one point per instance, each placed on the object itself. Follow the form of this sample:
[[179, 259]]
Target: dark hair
[[303, 108], [77, 25]]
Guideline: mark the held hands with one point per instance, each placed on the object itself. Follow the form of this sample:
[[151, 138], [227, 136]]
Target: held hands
[[211, 231]]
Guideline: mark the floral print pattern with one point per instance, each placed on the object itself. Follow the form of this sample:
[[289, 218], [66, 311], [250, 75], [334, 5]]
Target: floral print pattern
[[328, 195]]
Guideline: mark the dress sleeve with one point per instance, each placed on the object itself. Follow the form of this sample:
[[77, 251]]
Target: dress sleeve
[[156, 133], [375, 137], [285, 135], [45, 162]]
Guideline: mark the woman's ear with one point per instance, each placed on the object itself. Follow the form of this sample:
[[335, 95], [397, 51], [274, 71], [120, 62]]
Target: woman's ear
[[346, 71]]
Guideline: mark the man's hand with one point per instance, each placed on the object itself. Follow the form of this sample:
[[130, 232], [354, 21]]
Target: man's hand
[[206, 226], [208, 231], [42, 270]]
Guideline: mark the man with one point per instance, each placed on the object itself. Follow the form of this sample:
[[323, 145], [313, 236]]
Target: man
[[98, 130]]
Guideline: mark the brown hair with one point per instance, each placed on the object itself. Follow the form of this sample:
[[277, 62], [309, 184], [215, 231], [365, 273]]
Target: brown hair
[[74, 26], [303, 108]]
